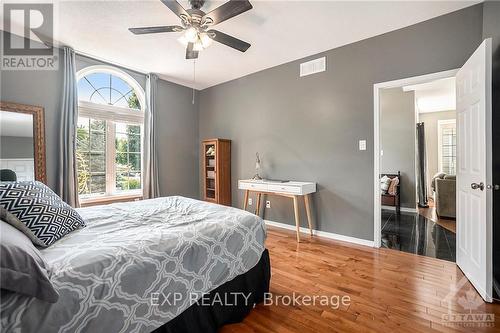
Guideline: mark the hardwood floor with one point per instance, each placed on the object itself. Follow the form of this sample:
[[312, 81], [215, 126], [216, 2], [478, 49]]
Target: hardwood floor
[[390, 291]]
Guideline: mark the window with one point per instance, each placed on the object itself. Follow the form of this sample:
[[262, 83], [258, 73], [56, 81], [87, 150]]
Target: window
[[109, 134], [447, 145]]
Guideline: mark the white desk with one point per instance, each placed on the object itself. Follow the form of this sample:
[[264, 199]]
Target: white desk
[[291, 189]]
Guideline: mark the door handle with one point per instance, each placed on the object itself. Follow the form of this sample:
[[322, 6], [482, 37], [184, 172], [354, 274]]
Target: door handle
[[476, 186]]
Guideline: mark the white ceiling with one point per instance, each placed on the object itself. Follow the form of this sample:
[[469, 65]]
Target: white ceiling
[[434, 96], [16, 124], [279, 31]]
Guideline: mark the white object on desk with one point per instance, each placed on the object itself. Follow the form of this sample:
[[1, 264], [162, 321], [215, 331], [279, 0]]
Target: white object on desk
[[291, 189]]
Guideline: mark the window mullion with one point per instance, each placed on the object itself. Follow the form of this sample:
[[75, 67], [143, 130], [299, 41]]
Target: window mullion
[[110, 158]]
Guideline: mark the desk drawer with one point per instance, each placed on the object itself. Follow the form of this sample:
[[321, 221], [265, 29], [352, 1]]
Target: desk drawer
[[252, 186], [281, 188]]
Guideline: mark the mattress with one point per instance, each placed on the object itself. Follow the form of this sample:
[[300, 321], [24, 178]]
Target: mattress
[[138, 265]]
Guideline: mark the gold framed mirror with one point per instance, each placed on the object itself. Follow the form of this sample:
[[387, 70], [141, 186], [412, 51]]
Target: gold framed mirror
[[22, 141]]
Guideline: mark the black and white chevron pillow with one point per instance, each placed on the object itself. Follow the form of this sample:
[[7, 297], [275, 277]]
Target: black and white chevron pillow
[[36, 210]]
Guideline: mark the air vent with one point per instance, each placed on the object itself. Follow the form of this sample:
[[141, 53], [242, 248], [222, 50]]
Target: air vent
[[313, 67]]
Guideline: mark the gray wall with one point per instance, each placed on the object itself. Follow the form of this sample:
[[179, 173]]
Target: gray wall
[[308, 128], [430, 121], [16, 147], [178, 140], [491, 28], [397, 140], [177, 150]]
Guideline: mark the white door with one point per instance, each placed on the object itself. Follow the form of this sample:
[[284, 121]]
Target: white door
[[474, 201]]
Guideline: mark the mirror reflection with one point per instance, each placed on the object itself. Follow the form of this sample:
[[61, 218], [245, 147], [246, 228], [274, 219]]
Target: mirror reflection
[[16, 146]]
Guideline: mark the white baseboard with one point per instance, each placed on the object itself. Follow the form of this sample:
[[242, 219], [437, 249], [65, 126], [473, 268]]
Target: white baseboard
[[403, 209], [325, 234]]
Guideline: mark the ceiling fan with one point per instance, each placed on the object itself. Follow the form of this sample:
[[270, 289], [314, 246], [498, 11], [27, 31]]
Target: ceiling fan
[[196, 24]]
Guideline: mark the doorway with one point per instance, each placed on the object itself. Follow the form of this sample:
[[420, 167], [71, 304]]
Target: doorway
[[417, 140], [473, 165]]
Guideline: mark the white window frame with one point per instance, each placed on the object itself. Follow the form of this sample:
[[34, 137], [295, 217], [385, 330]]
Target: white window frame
[[440, 125], [112, 114]]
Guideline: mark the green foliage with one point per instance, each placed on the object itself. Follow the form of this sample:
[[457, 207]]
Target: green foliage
[[133, 101], [83, 173], [134, 183], [82, 139], [90, 155], [134, 129]]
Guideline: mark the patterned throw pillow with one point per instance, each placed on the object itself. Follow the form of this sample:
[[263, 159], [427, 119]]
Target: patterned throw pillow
[[384, 184], [393, 186], [37, 211]]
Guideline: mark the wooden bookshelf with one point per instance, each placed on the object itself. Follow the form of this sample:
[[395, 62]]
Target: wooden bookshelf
[[216, 157]]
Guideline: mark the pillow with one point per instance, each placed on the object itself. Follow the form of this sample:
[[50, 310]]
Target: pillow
[[38, 212], [393, 186], [22, 267], [384, 184]]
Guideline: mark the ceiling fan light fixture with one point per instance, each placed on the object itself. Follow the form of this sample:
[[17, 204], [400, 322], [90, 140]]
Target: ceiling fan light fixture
[[191, 35], [182, 39], [195, 22], [198, 46], [205, 40]]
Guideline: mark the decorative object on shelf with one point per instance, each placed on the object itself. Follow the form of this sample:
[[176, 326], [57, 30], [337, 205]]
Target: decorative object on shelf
[[216, 157], [257, 167], [211, 151]]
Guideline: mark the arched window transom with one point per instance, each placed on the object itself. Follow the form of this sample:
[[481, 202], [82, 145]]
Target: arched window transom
[[106, 88]]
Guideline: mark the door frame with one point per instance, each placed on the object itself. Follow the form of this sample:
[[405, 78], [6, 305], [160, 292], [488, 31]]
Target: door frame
[[377, 206]]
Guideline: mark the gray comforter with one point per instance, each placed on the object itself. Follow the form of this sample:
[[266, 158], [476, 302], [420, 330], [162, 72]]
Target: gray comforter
[[137, 265]]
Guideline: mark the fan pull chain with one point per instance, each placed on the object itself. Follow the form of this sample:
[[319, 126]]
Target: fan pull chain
[[194, 79]]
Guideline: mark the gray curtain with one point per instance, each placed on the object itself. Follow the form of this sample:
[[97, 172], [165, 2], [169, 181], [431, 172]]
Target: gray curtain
[[67, 181], [150, 168], [421, 166]]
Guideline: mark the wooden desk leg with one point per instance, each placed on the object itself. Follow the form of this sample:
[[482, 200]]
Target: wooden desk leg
[[246, 200], [257, 205], [297, 217], [307, 202]]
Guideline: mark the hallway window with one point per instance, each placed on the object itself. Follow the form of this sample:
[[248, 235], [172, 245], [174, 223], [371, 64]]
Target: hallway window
[[447, 144]]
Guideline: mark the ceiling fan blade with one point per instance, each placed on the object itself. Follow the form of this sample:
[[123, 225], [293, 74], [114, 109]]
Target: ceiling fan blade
[[230, 41], [228, 10], [176, 8], [154, 30], [190, 53]]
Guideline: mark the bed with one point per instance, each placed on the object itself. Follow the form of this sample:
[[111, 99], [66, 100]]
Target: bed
[[145, 266]]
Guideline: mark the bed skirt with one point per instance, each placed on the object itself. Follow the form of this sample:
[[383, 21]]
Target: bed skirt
[[238, 295]]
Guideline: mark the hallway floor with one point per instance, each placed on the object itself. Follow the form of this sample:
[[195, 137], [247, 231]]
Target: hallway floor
[[414, 233]]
